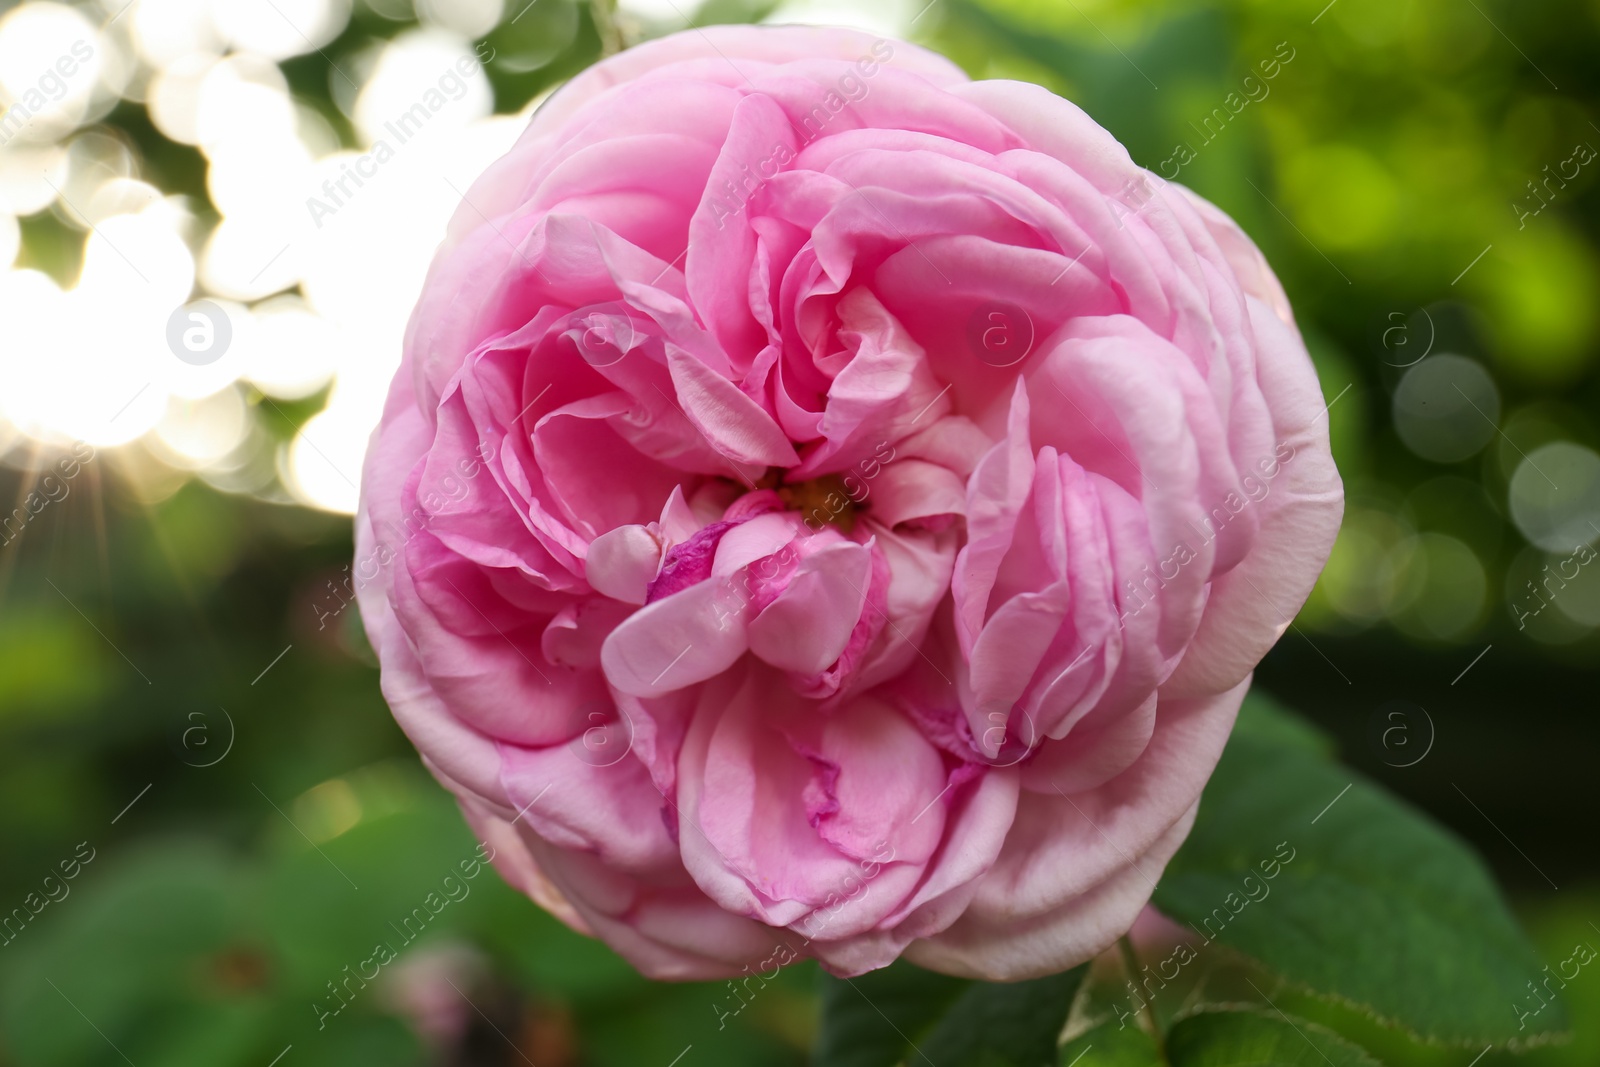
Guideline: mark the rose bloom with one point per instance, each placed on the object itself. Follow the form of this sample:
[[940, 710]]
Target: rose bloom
[[832, 508]]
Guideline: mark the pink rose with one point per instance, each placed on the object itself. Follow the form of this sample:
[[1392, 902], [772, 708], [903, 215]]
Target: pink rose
[[832, 508]]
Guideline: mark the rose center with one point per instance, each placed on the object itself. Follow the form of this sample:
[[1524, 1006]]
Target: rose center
[[824, 501]]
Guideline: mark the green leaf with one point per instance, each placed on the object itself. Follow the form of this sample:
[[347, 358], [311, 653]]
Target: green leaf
[[667, 1019], [1014, 1024], [322, 922], [145, 944], [1266, 720], [544, 954], [1111, 1044], [869, 1021], [1370, 902], [1246, 1037], [363, 1039], [903, 1014]]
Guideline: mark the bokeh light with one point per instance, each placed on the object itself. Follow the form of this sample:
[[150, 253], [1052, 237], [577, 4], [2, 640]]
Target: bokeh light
[[198, 433], [49, 69], [1446, 408], [169, 30], [1445, 589], [291, 352], [1365, 577], [468, 18], [659, 10], [1545, 605], [1555, 496], [279, 29], [316, 300], [324, 462], [30, 176]]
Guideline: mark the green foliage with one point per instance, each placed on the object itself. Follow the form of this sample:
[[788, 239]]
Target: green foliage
[[866, 1020], [1112, 1044], [903, 1014], [1246, 1038], [150, 938], [191, 954], [1014, 1025], [1380, 907], [1217, 1037]]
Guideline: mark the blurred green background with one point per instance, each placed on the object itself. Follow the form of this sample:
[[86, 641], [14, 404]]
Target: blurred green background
[[184, 699]]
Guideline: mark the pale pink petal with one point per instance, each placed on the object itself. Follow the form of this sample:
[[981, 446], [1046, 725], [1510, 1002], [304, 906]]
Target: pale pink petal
[[676, 641], [806, 628], [621, 563]]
